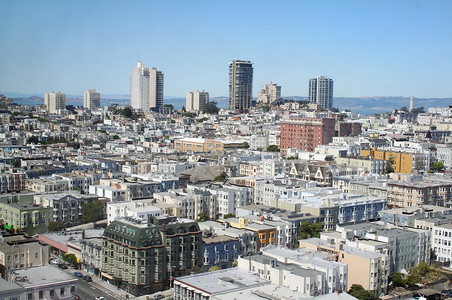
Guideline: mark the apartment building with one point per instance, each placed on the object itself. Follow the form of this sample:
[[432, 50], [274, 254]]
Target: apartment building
[[19, 251], [367, 268], [441, 242], [12, 182], [20, 217], [306, 133], [417, 191], [142, 257]]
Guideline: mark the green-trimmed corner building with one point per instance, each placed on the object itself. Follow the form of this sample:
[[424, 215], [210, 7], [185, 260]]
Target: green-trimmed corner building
[[143, 257]]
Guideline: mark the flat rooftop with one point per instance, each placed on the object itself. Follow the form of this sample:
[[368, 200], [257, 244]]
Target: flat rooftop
[[222, 281], [39, 276]]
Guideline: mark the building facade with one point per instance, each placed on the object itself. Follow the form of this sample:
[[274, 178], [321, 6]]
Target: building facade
[[146, 87], [55, 102], [240, 84], [143, 257], [306, 133], [196, 101], [321, 91], [269, 93], [91, 99]]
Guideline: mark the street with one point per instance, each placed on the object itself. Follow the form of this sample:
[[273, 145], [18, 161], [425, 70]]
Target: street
[[91, 290]]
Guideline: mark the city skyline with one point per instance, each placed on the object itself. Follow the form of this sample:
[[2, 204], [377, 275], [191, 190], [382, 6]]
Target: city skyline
[[372, 48]]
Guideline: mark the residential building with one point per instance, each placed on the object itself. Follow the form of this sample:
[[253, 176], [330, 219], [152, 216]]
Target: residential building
[[240, 84], [146, 87], [219, 250], [138, 210], [407, 216], [91, 99], [441, 243], [11, 290], [143, 257], [45, 282], [91, 255], [196, 101], [12, 182], [55, 102], [306, 133], [19, 251], [269, 93], [67, 207], [321, 91], [20, 217], [367, 268]]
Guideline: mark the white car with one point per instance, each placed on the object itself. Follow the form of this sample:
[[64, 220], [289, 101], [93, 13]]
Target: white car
[[100, 298]]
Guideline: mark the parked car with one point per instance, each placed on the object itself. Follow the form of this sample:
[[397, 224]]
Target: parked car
[[159, 296], [100, 298], [87, 278], [78, 274], [62, 266]]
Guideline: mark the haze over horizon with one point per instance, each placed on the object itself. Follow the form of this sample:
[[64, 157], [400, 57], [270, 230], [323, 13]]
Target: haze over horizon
[[369, 48]]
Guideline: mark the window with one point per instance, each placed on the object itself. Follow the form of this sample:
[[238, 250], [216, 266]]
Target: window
[[62, 291], [41, 294], [30, 296], [52, 293]]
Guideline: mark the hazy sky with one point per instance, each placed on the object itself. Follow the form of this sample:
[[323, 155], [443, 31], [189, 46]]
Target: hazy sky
[[369, 48]]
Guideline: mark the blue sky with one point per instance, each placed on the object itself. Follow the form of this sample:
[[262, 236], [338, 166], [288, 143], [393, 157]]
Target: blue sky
[[369, 48]]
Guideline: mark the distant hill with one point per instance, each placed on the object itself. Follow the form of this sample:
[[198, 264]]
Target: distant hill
[[363, 105]]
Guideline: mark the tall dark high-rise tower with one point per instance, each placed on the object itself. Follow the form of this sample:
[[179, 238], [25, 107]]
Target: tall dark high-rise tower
[[240, 84], [321, 91]]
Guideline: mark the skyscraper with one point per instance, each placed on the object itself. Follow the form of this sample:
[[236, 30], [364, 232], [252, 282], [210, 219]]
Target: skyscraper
[[240, 84], [269, 93], [321, 91], [196, 101], [55, 102], [91, 99], [146, 87]]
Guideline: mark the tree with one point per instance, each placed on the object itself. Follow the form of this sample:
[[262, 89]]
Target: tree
[[273, 148], [55, 226], [309, 230], [389, 168], [266, 108], [193, 270], [212, 108], [202, 217], [359, 292], [214, 268], [438, 166], [33, 140], [397, 279], [127, 112], [403, 108], [246, 145], [71, 258], [16, 163], [235, 263], [227, 216], [93, 211], [116, 137]]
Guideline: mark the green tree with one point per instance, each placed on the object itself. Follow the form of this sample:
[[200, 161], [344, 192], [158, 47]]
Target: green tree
[[397, 279], [273, 148], [16, 163], [412, 279], [359, 292], [92, 211], [227, 216], [214, 268], [202, 217], [127, 112], [235, 263], [71, 258], [33, 140], [212, 108], [221, 177], [266, 108], [389, 168], [55, 226], [246, 145], [438, 166], [116, 137], [309, 230]]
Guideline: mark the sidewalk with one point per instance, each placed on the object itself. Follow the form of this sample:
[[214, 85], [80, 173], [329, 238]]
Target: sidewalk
[[119, 293]]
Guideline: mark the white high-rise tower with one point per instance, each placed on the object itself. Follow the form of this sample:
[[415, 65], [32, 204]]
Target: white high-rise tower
[[146, 87], [91, 99], [55, 102]]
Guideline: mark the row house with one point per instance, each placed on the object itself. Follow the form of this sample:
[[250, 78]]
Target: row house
[[12, 182]]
